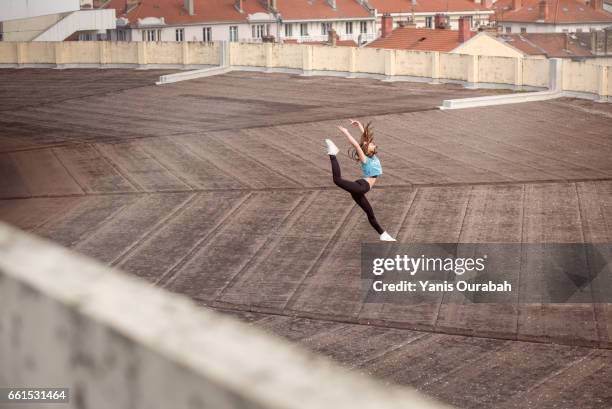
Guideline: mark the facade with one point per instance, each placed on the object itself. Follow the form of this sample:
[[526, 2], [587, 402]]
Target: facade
[[191, 20], [422, 12], [311, 20], [551, 16], [241, 20]]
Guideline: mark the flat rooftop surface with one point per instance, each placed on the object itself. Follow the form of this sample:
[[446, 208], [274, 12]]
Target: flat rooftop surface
[[220, 189]]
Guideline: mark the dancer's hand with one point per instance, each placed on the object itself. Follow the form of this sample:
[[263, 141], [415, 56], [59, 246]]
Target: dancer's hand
[[342, 129], [357, 124]]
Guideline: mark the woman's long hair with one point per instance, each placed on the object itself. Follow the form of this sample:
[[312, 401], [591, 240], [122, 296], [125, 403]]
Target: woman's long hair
[[366, 137]]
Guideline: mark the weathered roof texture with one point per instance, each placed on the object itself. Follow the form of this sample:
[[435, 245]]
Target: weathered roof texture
[[220, 189]]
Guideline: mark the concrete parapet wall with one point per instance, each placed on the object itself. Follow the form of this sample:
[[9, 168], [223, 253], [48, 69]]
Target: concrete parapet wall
[[119, 343], [252, 55], [535, 72], [580, 76], [414, 63], [88, 53], [454, 66], [588, 77], [370, 60], [288, 57], [498, 70], [331, 58]]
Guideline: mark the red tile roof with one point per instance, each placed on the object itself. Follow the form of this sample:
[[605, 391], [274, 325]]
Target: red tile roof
[[559, 11], [425, 6], [320, 9], [551, 45], [174, 12], [422, 39]]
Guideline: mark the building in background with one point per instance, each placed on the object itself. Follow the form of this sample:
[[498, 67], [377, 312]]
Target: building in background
[[308, 21], [551, 16], [422, 12], [191, 20], [241, 20], [43, 20]]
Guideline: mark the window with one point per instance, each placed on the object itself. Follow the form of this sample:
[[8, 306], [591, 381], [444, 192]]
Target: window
[[1, 32], [325, 27], [207, 34], [180, 34], [151, 35], [349, 27], [288, 30], [579, 30], [565, 30], [233, 33], [363, 27], [303, 29], [257, 30], [429, 22], [523, 29], [508, 29], [121, 35], [87, 36]]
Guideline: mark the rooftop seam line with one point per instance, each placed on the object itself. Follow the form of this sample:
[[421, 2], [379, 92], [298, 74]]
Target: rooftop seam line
[[117, 169], [154, 229], [271, 242], [333, 240], [598, 330], [173, 271], [323, 188], [392, 324]]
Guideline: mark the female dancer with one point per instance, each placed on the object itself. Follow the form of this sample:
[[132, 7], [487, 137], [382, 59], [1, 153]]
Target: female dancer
[[364, 152]]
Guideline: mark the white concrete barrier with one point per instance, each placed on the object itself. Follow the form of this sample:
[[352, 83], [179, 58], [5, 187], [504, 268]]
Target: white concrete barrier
[[119, 343]]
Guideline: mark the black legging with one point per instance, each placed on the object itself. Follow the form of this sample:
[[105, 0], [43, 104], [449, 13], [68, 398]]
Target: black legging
[[357, 189]]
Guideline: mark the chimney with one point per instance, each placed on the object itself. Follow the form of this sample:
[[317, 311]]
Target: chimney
[[332, 37], [238, 6], [596, 4], [332, 3], [387, 25], [464, 29], [273, 5], [440, 21], [543, 10], [516, 4], [189, 7]]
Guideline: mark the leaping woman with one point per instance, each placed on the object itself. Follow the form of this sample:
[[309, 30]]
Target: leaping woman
[[365, 153]]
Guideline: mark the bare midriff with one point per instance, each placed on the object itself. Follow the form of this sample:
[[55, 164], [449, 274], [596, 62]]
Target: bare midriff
[[371, 181]]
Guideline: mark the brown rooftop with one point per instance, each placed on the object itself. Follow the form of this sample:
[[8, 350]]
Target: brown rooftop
[[197, 186]]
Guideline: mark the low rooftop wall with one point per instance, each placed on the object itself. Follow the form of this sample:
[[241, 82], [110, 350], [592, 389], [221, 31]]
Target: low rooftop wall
[[592, 77], [119, 343]]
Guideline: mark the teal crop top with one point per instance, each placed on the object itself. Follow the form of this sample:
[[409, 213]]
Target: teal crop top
[[371, 167]]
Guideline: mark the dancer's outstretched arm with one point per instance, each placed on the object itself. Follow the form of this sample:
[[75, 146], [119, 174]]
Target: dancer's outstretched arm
[[362, 156]]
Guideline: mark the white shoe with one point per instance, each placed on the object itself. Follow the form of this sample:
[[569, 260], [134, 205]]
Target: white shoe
[[332, 149], [386, 237]]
